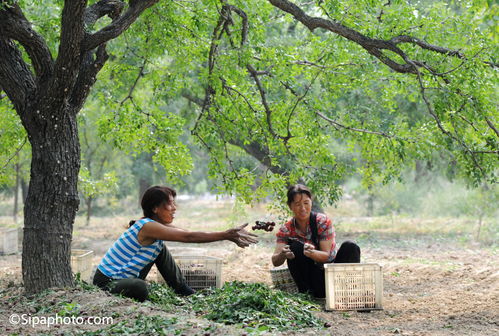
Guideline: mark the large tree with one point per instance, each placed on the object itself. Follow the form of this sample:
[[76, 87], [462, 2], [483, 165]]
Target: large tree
[[47, 91], [270, 80]]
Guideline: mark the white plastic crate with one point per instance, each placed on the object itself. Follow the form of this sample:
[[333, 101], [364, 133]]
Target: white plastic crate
[[199, 271], [8, 241], [282, 279], [354, 286], [81, 262]]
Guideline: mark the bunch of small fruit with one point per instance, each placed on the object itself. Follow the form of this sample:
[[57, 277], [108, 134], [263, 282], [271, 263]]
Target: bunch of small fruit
[[267, 226]]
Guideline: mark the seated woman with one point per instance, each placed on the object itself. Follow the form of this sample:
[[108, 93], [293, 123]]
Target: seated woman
[[128, 261], [306, 242]]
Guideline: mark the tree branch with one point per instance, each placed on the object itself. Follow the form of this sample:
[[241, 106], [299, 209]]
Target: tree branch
[[486, 152], [136, 81], [334, 122], [119, 25], [190, 97], [443, 130], [111, 8], [16, 78], [373, 46], [87, 75], [15, 154], [491, 125], [14, 25], [299, 99], [244, 18], [69, 57], [93, 61], [380, 15], [268, 111], [353, 129], [209, 90], [230, 89], [314, 64], [424, 45], [252, 148]]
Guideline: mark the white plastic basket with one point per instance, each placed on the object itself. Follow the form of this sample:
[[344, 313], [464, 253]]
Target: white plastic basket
[[81, 262], [199, 271], [353, 286], [8, 241]]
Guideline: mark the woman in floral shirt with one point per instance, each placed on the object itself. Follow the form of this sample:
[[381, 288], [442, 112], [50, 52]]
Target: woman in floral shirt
[[307, 241]]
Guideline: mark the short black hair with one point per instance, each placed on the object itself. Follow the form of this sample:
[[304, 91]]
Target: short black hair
[[298, 189], [154, 197]]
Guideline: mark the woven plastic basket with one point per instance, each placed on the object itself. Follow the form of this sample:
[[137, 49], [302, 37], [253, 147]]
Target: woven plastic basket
[[354, 287], [282, 279], [199, 271]]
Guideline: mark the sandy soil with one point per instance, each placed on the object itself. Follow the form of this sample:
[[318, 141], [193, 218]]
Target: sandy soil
[[432, 286]]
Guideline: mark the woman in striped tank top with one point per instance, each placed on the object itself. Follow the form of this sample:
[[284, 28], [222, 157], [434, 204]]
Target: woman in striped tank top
[[128, 261]]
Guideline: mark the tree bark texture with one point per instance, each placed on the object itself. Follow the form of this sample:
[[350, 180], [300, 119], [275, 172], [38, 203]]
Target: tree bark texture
[[52, 199]]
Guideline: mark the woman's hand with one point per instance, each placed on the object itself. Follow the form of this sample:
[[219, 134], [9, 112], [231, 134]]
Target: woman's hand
[[240, 236], [287, 253], [308, 250]]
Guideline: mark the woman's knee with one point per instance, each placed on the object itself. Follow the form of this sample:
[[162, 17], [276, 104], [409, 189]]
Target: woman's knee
[[132, 288], [140, 291], [349, 252], [350, 246]]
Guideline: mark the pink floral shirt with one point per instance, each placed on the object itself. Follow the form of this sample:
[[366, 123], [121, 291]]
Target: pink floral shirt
[[325, 231]]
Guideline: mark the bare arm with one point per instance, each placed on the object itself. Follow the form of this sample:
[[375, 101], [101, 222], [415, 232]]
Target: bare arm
[[154, 230], [281, 253], [322, 254], [174, 227]]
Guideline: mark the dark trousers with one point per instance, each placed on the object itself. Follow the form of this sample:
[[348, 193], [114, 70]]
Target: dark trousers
[[309, 275], [136, 288]]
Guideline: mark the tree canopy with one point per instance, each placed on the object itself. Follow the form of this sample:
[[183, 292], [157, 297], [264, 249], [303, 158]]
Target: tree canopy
[[392, 80], [395, 80]]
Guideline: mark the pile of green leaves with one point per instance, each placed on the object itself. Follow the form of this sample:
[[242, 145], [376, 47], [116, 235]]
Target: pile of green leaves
[[164, 296], [256, 307]]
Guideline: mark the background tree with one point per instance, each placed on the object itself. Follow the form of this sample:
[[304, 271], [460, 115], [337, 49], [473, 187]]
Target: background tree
[[14, 155]]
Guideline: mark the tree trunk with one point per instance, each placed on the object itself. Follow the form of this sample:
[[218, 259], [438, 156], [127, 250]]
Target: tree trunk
[[52, 199], [89, 209], [16, 191], [370, 201], [144, 184], [480, 221]]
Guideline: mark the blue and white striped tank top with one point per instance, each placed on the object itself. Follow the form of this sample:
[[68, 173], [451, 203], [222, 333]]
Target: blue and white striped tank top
[[126, 258]]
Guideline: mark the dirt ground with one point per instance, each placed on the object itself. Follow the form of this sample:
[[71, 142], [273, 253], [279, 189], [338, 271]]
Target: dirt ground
[[432, 286]]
